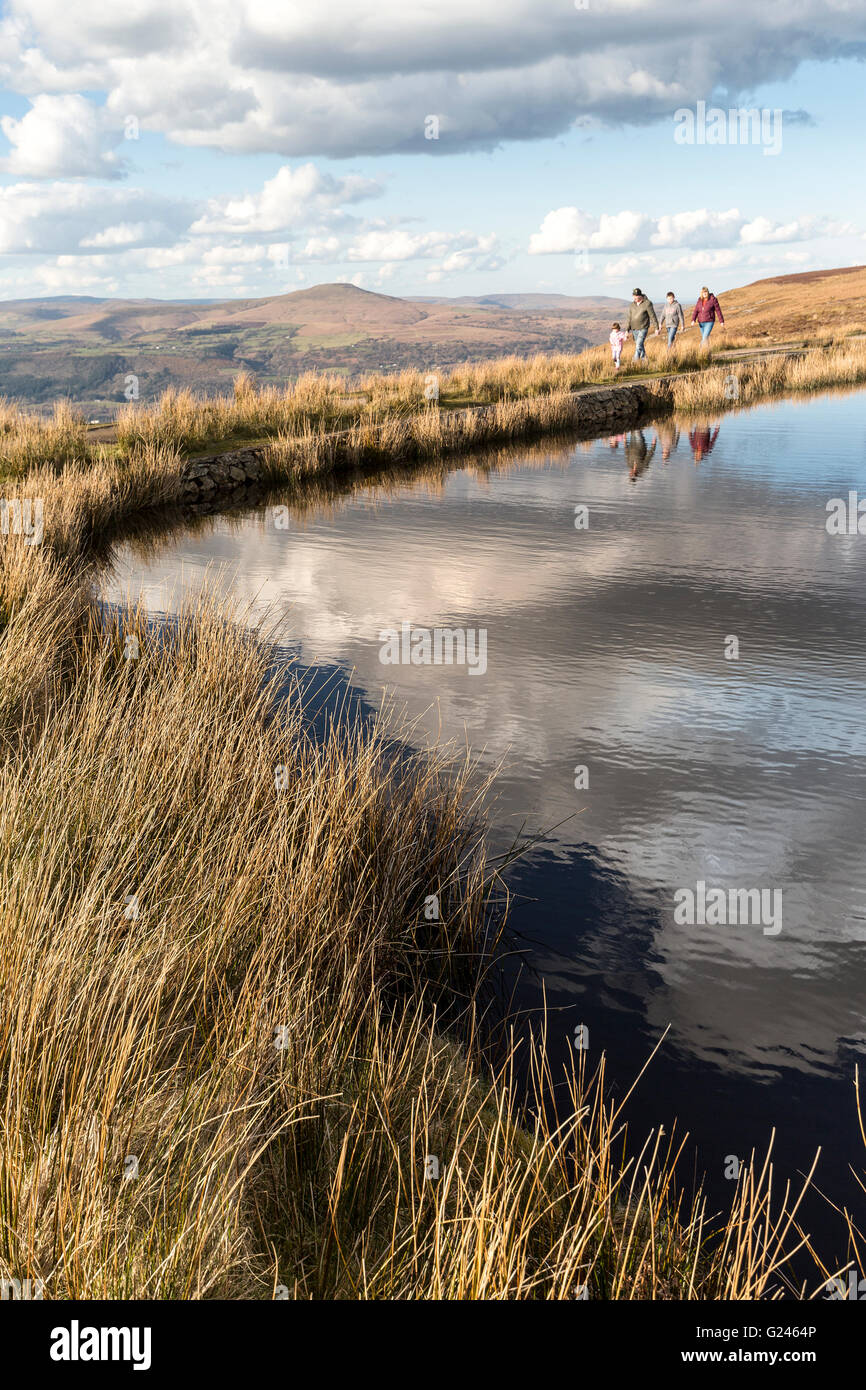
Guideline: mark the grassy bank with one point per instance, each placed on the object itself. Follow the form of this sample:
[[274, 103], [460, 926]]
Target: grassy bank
[[434, 433], [409, 414], [743, 383], [428, 434], [322, 403], [223, 1069]]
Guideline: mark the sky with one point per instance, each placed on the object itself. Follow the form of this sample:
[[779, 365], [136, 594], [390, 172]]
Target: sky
[[186, 149]]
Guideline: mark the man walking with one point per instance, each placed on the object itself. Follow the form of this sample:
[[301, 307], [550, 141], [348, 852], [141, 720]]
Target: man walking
[[641, 317]]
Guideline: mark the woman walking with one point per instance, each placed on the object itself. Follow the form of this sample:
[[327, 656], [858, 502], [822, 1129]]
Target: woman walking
[[707, 310], [673, 318]]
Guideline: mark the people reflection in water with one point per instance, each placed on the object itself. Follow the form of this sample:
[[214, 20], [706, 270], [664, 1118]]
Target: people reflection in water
[[668, 436], [703, 438], [637, 455]]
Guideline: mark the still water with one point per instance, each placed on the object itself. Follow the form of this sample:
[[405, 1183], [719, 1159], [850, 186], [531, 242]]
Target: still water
[[674, 694]]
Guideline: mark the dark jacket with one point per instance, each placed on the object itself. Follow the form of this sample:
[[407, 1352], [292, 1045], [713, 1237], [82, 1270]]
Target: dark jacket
[[641, 315], [707, 311]]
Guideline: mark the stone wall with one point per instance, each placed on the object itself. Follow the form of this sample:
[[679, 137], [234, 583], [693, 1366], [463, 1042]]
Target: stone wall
[[589, 412], [203, 478]]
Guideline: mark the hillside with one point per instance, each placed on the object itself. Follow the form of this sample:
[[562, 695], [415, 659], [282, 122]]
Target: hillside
[[85, 348], [810, 303]]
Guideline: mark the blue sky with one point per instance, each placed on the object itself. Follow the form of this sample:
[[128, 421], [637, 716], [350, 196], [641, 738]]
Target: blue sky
[[275, 146]]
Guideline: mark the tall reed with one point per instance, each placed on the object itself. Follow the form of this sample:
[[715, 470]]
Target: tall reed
[[236, 1056]]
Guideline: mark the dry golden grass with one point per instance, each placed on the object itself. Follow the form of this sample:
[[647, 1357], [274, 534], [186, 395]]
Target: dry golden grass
[[81, 502], [426, 434], [738, 384], [27, 442], [153, 1033], [807, 304], [321, 402], [189, 878], [189, 881], [528, 394]]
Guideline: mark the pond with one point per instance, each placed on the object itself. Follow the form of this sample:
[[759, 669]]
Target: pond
[[660, 642]]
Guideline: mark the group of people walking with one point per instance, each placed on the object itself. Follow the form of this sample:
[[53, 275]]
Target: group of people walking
[[642, 317]]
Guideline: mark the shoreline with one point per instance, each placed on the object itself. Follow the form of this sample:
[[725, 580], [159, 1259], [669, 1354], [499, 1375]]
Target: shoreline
[[588, 412]]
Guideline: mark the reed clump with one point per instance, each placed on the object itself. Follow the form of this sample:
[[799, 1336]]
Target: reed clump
[[27, 442], [743, 383], [235, 1054], [428, 434]]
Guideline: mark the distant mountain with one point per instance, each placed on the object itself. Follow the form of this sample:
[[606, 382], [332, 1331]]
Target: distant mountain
[[319, 312], [529, 302], [86, 348]]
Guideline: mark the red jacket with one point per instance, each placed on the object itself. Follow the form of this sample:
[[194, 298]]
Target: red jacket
[[707, 310]]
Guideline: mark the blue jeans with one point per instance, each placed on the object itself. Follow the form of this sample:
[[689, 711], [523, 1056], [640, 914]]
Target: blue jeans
[[639, 340], [672, 333], [706, 329]]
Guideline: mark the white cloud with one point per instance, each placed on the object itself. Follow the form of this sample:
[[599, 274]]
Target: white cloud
[[620, 229], [320, 248], [698, 228], [761, 231], [700, 263], [571, 229], [67, 275], [358, 76], [564, 229], [388, 244], [124, 234], [292, 198], [396, 244], [244, 244], [623, 266], [62, 137], [392, 244], [63, 217]]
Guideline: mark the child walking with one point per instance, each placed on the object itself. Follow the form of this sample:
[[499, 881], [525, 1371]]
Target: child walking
[[616, 340]]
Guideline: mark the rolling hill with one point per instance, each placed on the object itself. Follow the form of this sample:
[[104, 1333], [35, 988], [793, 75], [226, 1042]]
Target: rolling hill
[[809, 303], [88, 348], [85, 348]]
